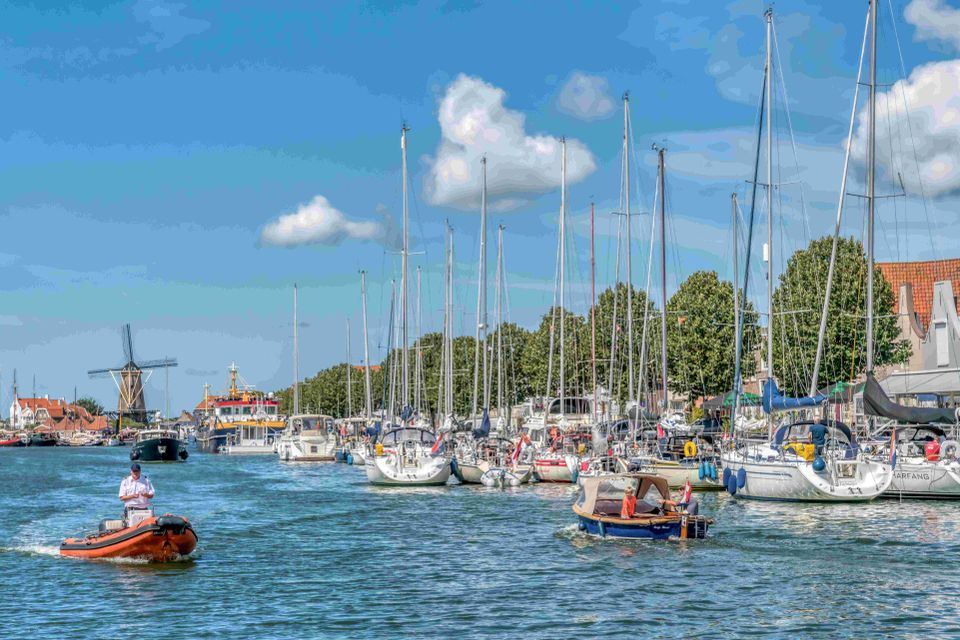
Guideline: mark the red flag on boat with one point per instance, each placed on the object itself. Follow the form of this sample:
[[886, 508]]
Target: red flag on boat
[[437, 445], [516, 451], [660, 432], [687, 492]]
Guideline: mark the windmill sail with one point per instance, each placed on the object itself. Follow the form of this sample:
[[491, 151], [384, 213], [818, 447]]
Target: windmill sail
[[876, 403]]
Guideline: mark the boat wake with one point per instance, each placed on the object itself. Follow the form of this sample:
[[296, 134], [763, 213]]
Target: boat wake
[[33, 550]]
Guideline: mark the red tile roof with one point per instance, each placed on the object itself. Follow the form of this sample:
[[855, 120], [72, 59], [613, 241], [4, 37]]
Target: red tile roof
[[922, 275]]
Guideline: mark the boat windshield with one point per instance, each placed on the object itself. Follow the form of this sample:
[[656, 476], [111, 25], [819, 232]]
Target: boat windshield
[[404, 435]]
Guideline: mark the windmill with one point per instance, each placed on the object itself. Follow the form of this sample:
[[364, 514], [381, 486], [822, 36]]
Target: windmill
[[130, 378]]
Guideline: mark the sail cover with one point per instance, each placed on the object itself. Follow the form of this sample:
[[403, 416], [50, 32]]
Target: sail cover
[[876, 403], [774, 400], [484, 429]]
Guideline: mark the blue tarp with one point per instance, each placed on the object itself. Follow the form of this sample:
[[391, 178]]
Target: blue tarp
[[774, 400], [484, 429]]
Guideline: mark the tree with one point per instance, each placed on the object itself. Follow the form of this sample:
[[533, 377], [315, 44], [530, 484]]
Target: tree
[[535, 364], [701, 336], [798, 301], [91, 405]]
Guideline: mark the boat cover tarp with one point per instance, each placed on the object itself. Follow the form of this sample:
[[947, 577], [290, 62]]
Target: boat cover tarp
[[876, 403], [484, 429], [774, 400]]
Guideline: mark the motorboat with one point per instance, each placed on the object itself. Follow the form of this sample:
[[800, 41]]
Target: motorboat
[[781, 470], [409, 456], [233, 416], [141, 535], [251, 439], [43, 439], [599, 502], [560, 461], [926, 464], [308, 438], [158, 445], [7, 440]]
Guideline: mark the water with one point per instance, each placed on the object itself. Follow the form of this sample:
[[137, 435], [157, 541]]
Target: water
[[308, 551]]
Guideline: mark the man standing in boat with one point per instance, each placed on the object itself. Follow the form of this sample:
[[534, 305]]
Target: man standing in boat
[[135, 490]]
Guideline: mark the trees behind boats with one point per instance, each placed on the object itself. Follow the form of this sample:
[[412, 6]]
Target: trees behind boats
[[701, 336], [798, 300]]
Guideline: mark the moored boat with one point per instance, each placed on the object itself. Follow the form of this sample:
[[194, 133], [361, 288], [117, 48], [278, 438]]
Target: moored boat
[[43, 439], [408, 456], [154, 538], [158, 445], [599, 503]]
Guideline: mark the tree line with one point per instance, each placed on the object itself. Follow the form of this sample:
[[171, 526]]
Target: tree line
[[701, 338]]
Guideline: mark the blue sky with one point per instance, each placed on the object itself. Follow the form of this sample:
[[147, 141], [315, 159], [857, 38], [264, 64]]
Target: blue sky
[[179, 166]]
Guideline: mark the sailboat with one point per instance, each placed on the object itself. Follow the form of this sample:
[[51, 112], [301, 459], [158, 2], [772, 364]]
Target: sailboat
[[407, 455], [771, 470], [361, 448]]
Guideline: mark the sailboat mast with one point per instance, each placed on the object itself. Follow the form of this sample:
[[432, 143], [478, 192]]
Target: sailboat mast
[[769, 256], [499, 302], [405, 252], [563, 251], [736, 276], [366, 346], [480, 350], [663, 275], [871, 179], [593, 311], [349, 367], [448, 370], [296, 355], [626, 175], [417, 370]]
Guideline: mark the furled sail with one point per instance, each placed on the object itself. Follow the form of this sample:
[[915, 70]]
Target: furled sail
[[876, 403], [484, 429], [774, 400]]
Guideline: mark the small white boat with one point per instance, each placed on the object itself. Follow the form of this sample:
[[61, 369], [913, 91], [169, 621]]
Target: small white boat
[[406, 456], [308, 438], [507, 476]]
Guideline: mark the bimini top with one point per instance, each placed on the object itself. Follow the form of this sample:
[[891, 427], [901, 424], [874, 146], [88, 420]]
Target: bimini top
[[774, 400], [876, 403], [799, 430], [611, 488]]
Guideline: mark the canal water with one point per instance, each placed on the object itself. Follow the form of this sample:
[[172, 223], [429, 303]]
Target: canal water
[[313, 551]]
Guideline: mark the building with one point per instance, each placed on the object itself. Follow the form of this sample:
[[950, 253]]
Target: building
[[929, 318], [54, 415]]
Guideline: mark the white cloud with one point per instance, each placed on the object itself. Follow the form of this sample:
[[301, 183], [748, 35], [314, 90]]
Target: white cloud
[[319, 222], [474, 122], [168, 26], [930, 93], [585, 97], [934, 21]]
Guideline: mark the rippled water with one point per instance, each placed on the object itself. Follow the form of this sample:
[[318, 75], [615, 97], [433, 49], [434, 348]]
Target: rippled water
[[305, 551]]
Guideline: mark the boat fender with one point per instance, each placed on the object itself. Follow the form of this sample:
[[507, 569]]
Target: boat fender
[[574, 475], [455, 468], [701, 471], [690, 449], [726, 476], [713, 472], [183, 453], [741, 477], [379, 448], [581, 526], [135, 454], [818, 464], [732, 483], [949, 448], [349, 458]]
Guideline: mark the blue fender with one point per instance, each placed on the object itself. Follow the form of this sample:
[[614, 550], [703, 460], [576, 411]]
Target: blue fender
[[726, 476], [713, 471], [455, 468], [741, 477], [349, 458], [731, 483], [701, 471], [574, 475], [818, 464]]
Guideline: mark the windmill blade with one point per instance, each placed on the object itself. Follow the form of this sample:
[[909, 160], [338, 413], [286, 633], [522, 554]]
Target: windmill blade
[[158, 364], [99, 373], [127, 343]]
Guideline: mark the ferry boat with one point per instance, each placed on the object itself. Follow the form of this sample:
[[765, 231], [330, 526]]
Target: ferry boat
[[238, 417]]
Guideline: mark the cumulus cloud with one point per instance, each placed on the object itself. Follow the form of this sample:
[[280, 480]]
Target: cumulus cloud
[[934, 117], [585, 96], [474, 122], [319, 222], [934, 21]]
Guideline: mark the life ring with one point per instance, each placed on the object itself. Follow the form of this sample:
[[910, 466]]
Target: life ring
[[690, 449], [949, 449]]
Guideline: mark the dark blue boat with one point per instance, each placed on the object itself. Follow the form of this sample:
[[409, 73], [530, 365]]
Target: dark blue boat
[[600, 499]]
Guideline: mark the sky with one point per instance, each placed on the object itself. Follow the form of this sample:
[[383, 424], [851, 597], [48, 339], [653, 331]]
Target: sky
[[179, 166]]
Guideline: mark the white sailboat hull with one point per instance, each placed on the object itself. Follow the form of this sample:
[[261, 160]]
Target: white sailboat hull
[[472, 473], [856, 480], [919, 478], [391, 470], [305, 449], [556, 468], [678, 474]]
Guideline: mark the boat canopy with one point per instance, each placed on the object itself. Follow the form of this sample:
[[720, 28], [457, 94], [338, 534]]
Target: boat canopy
[[876, 403], [799, 430], [774, 400], [407, 434], [611, 488], [919, 433]]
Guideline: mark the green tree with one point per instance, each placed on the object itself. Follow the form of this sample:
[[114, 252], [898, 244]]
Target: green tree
[[535, 361], [91, 405], [701, 336], [798, 301]]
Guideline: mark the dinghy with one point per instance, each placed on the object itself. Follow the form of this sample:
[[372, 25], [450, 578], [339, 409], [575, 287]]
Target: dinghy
[[143, 536]]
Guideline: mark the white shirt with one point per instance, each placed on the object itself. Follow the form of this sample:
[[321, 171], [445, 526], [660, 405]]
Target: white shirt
[[129, 487]]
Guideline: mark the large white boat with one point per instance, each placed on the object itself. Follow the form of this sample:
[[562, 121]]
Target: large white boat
[[776, 471], [308, 438], [406, 456], [242, 419], [918, 474]]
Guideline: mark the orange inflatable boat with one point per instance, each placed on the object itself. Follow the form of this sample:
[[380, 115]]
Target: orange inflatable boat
[[154, 538]]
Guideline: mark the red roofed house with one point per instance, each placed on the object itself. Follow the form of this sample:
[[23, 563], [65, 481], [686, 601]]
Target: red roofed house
[[929, 317], [56, 415]]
